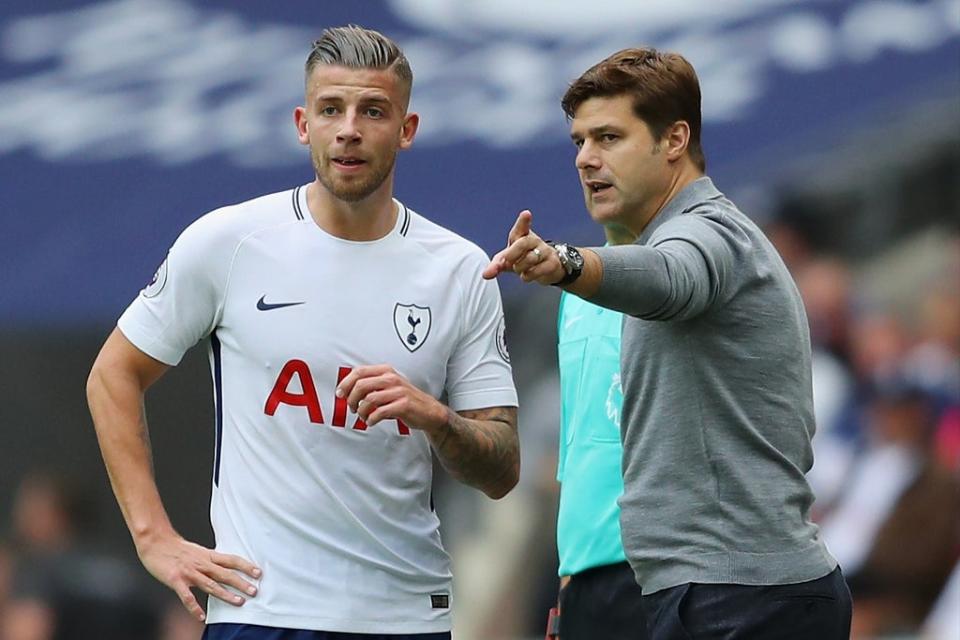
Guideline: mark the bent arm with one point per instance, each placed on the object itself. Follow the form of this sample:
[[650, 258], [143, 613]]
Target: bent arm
[[480, 448], [115, 389]]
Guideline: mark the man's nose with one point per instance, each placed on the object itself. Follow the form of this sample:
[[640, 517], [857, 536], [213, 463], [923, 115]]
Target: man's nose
[[349, 130], [587, 157]]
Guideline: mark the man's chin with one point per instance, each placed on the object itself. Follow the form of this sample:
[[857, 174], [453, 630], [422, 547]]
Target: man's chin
[[352, 195], [604, 213], [350, 191]]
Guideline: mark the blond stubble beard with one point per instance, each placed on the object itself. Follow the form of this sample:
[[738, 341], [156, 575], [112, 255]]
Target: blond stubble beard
[[356, 191]]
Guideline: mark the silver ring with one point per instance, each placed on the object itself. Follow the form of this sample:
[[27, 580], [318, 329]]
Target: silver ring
[[536, 252]]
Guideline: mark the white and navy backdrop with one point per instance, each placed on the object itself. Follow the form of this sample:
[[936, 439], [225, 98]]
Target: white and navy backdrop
[[123, 120]]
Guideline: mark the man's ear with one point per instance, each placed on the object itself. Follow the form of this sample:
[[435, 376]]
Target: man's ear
[[408, 130], [303, 127], [676, 139]]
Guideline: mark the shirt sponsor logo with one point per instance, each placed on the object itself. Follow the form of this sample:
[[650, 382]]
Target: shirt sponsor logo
[[303, 394]]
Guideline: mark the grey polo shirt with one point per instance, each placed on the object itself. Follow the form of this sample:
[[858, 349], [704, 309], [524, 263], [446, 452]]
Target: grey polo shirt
[[717, 401]]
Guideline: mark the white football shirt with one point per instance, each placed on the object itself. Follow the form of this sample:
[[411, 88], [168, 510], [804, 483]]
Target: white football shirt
[[337, 514]]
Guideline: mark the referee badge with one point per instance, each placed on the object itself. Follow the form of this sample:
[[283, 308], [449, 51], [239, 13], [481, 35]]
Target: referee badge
[[412, 323]]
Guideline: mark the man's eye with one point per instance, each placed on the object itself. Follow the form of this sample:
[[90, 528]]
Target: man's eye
[[328, 111], [374, 112], [578, 143], [609, 137]]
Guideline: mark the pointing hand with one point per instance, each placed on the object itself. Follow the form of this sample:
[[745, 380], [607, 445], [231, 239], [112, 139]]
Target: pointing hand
[[527, 255]]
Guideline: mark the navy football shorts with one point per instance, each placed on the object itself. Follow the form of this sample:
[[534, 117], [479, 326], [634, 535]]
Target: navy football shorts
[[227, 631]]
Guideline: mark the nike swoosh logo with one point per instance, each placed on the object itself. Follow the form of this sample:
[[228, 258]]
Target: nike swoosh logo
[[266, 306]]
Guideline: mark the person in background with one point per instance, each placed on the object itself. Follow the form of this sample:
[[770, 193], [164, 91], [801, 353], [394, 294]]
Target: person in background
[[897, 496], [62, 587], [599, 597]]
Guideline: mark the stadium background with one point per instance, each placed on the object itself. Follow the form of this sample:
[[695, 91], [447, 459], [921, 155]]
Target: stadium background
[[835, 124]]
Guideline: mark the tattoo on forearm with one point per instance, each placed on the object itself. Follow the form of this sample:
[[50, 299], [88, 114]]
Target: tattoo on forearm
[[481, 448]]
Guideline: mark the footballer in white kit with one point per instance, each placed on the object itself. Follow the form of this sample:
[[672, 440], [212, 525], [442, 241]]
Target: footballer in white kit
[[351, 340], [338, 514]]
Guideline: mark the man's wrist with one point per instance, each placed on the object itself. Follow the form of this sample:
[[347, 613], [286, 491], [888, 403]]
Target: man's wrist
[[441, 429], [570, 259], [146, 535], [441, 440]]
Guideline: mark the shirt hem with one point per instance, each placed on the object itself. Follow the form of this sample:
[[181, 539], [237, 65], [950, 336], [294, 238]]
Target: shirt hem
[[156, 350], [751, 569], [483, 399], [339, 625], [572, 569]]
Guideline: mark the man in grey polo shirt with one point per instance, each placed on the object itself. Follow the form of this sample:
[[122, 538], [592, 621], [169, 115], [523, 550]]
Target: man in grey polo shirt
[[715, 363]]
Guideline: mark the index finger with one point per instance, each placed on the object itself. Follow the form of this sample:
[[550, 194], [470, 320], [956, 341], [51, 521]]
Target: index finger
[[518, 249], [346, 385], [497, 266], [236, 562], [521, 227]]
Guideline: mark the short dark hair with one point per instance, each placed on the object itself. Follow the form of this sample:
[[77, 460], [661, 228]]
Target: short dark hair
[[358, 48], [664, 87]]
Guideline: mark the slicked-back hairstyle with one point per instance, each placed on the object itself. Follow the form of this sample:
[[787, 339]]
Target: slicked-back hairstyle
[[359, 48], [664, 88]]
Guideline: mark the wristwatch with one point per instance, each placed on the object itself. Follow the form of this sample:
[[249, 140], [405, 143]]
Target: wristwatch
[[570, 260]]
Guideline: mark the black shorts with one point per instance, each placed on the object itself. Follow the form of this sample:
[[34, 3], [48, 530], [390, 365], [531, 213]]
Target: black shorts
[[817, 609], [604, 602], [229, 631]]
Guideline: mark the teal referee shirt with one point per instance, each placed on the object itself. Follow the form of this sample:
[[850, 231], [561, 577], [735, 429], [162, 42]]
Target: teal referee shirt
[[588, 522]]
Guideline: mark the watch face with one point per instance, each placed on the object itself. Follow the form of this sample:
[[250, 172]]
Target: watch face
[[570, 259], [575, 258]]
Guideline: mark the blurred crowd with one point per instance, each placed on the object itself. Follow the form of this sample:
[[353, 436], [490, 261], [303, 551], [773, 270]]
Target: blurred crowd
[[887, 449], [58, 583], [886, 339]]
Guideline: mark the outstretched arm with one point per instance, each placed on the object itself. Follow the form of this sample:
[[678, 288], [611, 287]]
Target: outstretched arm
[[479, 447], [115, 390], [676, 279]]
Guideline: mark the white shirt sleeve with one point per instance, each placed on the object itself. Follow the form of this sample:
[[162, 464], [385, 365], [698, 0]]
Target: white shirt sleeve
[[183, 303], [478, 372]]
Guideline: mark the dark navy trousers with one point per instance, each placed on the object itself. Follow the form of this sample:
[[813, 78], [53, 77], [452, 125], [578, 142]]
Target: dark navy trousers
[[815, 610], [603, 602]]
